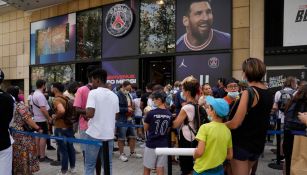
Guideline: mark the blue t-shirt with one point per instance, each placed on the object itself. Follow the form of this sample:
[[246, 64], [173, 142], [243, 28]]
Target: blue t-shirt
[[159, 120], [220, 40]]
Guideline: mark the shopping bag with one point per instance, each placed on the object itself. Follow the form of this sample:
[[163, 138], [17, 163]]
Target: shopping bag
[[299, 156]]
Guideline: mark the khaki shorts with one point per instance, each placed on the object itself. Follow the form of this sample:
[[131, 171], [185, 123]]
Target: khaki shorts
[[151, 160]]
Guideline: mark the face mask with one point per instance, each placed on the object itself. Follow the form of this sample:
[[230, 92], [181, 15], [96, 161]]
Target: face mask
[[182, 96], [209, 118], [233, 94], [154, 106], [126, 92], [244, 81]]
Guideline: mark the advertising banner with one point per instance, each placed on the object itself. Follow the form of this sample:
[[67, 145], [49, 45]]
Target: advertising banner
[[120, 29], [122, 70], [53, 40], [206, 68], [295, 23], [203, 25]]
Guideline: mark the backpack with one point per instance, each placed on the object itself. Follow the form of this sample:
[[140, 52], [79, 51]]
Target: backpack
[[200, 118], [284, 99], [235, 105], [70, 117]]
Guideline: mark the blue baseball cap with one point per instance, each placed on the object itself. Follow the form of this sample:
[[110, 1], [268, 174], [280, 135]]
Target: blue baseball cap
[[219, 105]]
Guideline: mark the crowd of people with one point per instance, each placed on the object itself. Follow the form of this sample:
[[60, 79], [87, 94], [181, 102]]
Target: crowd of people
[[226, 124]]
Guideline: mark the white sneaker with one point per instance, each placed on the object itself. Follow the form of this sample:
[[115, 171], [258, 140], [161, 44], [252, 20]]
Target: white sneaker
[[136, 155], [142, 145], [123, 157], [73, 170]]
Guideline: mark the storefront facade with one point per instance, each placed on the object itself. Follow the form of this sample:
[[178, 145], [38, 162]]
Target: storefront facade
[[145, 52]]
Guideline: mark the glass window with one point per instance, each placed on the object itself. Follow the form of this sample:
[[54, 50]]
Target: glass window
[[89, 34], [157, 29]]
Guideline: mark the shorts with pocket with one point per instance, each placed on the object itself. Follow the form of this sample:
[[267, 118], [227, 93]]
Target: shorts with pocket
[[126, 131], [43, 126], [151, 160], [243, 155]]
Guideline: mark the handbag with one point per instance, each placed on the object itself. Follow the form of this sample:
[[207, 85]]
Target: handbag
[[299, 156]]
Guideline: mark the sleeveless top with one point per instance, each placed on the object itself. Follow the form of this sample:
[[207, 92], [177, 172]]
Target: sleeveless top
[[250, 135]]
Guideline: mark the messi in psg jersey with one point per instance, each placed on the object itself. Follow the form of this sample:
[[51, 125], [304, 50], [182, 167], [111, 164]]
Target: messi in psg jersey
[[216, 40]]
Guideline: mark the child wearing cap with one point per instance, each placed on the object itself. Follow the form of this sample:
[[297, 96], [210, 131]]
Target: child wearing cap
[[157, 124], [214, 140]]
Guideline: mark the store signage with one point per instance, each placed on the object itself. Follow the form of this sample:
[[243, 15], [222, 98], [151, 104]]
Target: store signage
[[119, 79], [119, 20]]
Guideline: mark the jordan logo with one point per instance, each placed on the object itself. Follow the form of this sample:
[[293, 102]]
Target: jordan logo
[[182, 64]]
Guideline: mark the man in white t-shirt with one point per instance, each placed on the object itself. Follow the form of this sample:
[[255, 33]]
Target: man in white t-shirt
[[40, 109], [290, 86], [101, 109]]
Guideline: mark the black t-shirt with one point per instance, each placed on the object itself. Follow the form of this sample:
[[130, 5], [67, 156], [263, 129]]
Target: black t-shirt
[[6, 115], [250, 135], [144, 98]]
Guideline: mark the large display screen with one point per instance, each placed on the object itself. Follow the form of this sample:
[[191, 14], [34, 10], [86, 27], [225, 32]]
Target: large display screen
[[206, 68], [58, 73], [122, 70], [157, 27], [203, 25], [53, 40], [120, 30], [89, 29], [295, 22]]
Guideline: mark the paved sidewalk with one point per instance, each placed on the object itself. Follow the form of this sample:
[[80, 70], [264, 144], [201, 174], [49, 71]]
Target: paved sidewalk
[[135, 166]]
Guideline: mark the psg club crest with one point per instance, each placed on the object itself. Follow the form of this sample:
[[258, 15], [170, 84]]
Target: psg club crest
[[213, 62], [119, 20]]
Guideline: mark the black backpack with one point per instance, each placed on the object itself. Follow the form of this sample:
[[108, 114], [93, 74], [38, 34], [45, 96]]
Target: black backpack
[[235, 105], [200, 118], [285, 97]]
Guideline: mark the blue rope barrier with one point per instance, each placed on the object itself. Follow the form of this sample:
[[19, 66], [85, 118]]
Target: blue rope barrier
[[138, 117], [302, 133], [65, 139], [274, 132], [127, 125]]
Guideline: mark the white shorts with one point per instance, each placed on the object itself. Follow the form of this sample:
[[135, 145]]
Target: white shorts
[[6, 161], [151, 160]]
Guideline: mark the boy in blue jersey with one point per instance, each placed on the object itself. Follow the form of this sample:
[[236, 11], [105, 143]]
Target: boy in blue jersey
[[157, 124]]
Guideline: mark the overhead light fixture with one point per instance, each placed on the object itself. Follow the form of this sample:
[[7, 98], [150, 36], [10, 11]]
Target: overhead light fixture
[[160, 2]]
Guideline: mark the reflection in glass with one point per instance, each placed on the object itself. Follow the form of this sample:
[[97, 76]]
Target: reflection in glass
[[89, 34], [58, 73], [157, 30]]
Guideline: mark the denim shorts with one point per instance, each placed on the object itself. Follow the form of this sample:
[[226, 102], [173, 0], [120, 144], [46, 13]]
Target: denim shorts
[[243, 155], [124, 132]]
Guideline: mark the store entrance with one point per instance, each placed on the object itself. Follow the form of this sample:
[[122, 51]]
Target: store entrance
[[157, 71], [81, 68]]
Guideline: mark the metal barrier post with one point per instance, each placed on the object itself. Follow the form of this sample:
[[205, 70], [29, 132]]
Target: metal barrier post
[[277, 165], [169, 162], [106, 160]]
